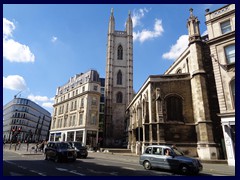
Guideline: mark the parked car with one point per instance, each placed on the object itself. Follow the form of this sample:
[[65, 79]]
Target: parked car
[[60, 151], [81, 150], [156, 156]]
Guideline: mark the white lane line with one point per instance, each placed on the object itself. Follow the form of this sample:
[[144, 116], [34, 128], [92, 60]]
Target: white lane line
[[73, 171], [15, 174]]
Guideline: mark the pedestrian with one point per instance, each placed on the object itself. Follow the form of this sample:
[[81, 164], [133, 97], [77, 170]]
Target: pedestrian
[[45, 145], [19, 144], [36, 149], [41, 146], [16, 146], [27, 144], [10, 145]]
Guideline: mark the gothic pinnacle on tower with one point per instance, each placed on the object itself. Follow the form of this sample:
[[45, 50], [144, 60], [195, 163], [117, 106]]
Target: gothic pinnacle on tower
[[111, 26], [129, 26], [193, 28]]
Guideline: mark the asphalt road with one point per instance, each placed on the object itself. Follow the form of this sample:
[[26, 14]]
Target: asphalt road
[[96, 164]]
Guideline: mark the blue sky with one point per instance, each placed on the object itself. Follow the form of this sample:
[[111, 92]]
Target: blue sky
[[45, 45]]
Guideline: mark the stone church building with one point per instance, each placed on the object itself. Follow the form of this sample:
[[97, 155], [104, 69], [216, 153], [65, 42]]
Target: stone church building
[[181, 106]]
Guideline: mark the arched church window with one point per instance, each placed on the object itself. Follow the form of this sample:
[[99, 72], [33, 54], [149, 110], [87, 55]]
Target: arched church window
[[120, 52], [119, 97], [119, 77], [174, 106]]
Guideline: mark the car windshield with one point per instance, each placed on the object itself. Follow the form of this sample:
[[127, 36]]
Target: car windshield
[[177, 152], [64, 146], [77, 145]]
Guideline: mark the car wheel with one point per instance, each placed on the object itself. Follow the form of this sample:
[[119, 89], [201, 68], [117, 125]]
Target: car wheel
[[147, 165], [184, 169]]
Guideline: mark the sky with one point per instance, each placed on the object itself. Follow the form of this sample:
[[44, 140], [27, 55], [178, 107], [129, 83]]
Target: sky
[[46, 44]]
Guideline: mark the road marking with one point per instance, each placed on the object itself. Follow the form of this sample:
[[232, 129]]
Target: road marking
[[25, 168], [41, 174], [101, 172], [73, 171], [15, 174]]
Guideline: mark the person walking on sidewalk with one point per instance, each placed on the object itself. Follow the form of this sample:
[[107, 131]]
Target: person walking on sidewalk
[[19, 144]]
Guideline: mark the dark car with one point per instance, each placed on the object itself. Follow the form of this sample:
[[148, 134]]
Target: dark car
[[81, 150], [166, 157], [60, 151]]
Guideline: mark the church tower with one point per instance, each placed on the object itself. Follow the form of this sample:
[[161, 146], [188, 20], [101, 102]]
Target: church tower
[[118, 82], [207, 148]]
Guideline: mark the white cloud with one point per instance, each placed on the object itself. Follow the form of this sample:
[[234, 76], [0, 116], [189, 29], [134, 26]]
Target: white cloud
[[47, 105], [147, 34], [138, 15], [16, 52], [37, 98], [54, 39], [13, 50], [177, 48], [14, 82], [8, 27], [44, 100]]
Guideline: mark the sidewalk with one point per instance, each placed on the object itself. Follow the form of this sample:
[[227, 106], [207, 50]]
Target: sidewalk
[[23, 149], [219, 167]]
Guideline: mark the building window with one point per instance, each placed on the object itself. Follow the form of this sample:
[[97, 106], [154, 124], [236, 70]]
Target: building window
[[230, 53], [75, 105], [80, 119], [72, 104], [70, 122], [66, 108], [232, 90], [120, 52], [94, 101], [225, 27], [102, 108], [119, 77], [95, 88], [65, 122], [119, 97], [93, 118], [102, 90], [174, 108], [73, 120], [82, 102]]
